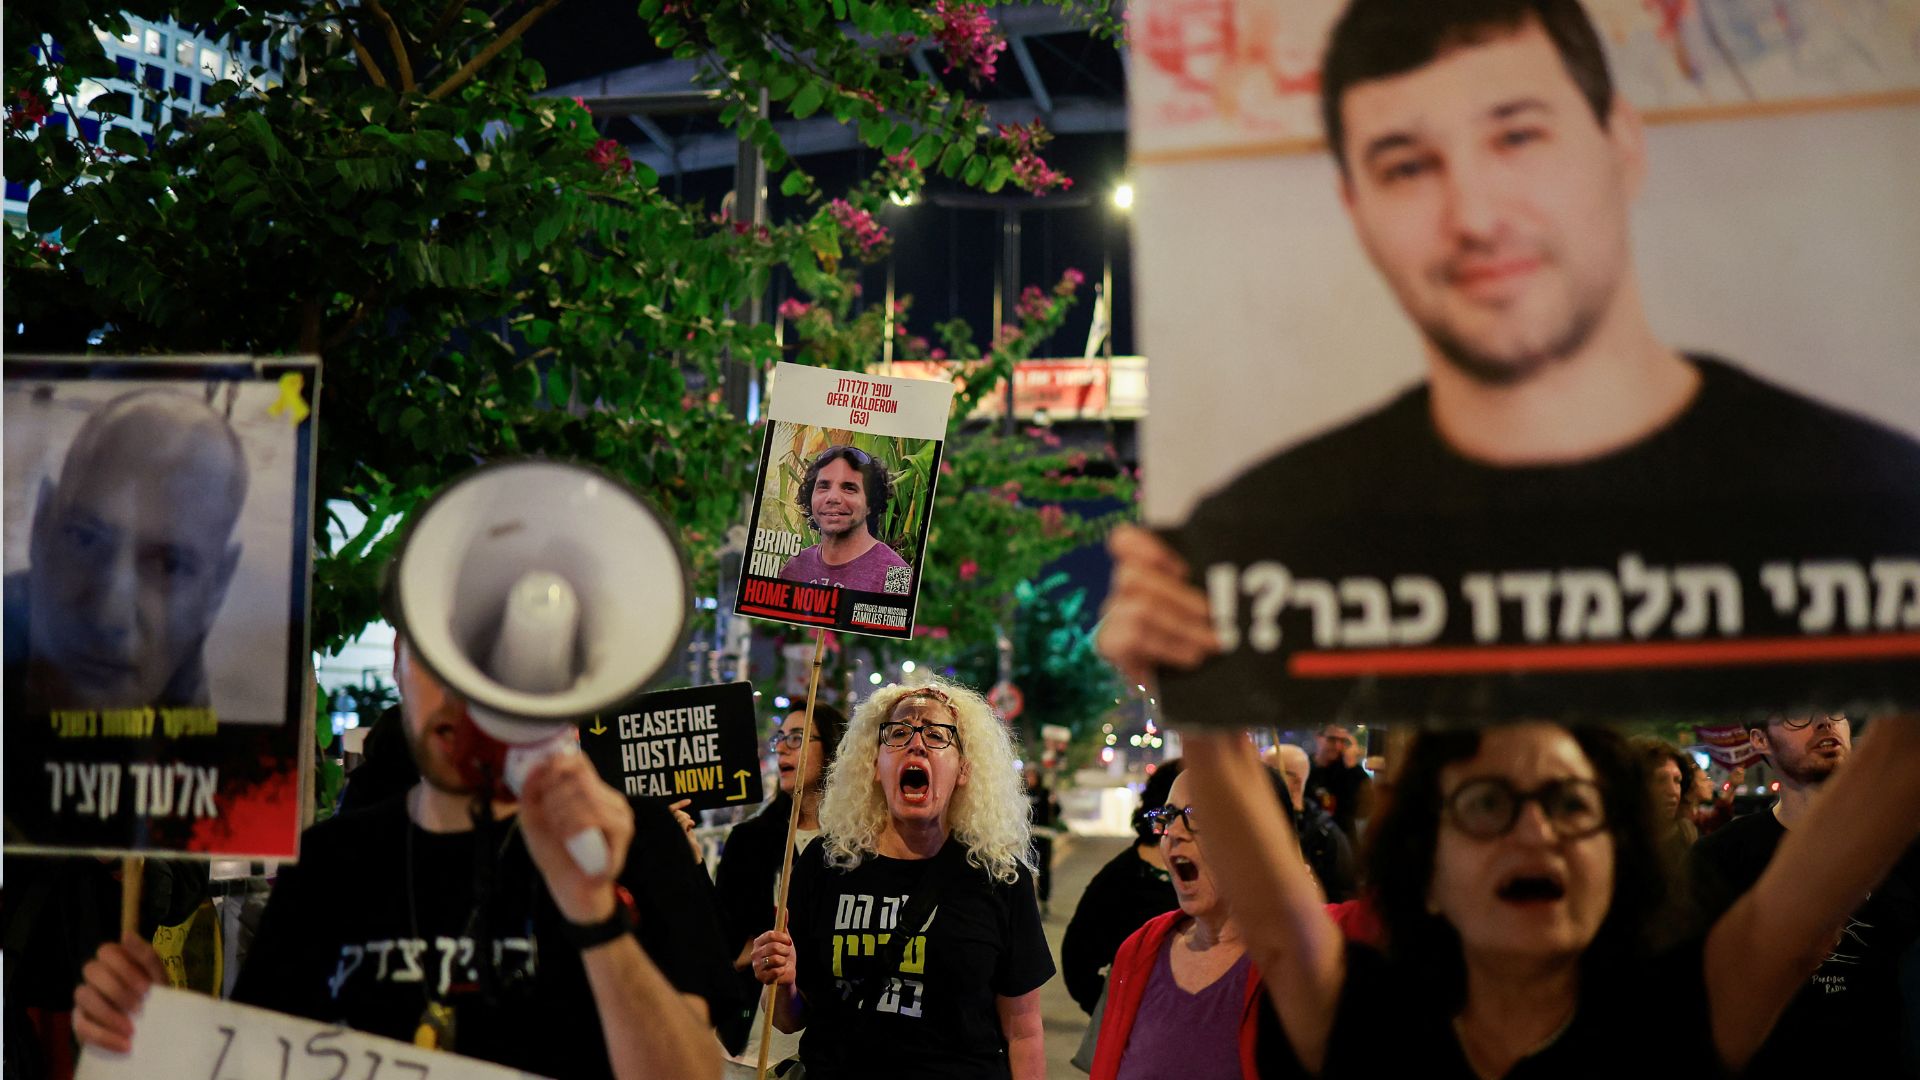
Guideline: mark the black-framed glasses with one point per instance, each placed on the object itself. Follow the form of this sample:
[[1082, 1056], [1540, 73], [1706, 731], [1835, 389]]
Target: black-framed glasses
[[1160, 819], [1801, 723], [790, 739], [1487, 808], [896, 734]]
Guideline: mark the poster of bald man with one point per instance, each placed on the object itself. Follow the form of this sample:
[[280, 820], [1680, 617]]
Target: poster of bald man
[[156, 590]]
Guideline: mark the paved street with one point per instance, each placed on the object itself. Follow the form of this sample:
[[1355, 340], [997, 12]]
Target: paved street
[[1075, 861]]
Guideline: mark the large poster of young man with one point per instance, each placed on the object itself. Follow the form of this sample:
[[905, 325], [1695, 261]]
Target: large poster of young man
[[843, 500], [157, 515], [1512, 403]]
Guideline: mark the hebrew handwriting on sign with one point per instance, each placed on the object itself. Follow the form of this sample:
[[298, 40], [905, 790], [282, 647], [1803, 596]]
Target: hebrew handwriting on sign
[[187, 1036], [1632, 600]]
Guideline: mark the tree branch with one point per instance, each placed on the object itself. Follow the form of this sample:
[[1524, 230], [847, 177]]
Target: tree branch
[[366, 58], [447, 15], [394, 42], [512, 34]]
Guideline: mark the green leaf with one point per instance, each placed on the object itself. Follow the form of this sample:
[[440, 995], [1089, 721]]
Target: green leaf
[[48, 210], [118, 103], [807, 101], [999, 173], [795, 183], [649, 9], [219, 92], [901, 138], [950, 162], [125, 141], [977, 170], [782, 84]]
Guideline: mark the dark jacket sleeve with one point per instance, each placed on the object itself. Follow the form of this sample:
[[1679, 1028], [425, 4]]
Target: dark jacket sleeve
[[679, 927], [289, 962], [1091, 937], [749, 865]]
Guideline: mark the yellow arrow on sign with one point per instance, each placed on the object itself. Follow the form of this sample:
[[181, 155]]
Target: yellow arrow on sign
[[740, 775], [598, 728]]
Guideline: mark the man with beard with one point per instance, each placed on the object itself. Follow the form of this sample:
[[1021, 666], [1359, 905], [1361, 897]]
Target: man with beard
[[844, 495], [1847, 1020], [1489, 171], [387, 925]]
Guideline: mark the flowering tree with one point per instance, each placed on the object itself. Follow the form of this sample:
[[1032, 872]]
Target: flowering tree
[[481, 271]]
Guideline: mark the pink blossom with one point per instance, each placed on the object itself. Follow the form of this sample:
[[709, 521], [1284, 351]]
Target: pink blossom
[[793, 309], [1053, 520], [968, 568], [1033, 306], [1029, 170], [28, 109], [1050, 440], [946, 468], [1069, 281], [937, 354], [867, 233], [610, 156], [582, 102], [1011, 489], [1076, 461], [967, 38]]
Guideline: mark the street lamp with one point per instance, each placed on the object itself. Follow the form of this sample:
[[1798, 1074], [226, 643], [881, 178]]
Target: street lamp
[[1123, 196]]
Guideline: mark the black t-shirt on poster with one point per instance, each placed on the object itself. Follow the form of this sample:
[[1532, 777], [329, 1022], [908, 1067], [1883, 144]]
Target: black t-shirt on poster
[[1847, 1020], [1749, 479], [1649, 1023], [341, 943], [939, 1020]]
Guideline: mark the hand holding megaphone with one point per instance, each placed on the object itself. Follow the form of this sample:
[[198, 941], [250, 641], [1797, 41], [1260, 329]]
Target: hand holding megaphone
[[543, 593]]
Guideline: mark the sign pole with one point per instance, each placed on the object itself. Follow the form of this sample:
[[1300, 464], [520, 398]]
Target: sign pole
[[793, 826], [132, 870]]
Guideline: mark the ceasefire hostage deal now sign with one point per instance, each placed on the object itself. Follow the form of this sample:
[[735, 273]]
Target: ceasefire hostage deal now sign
[[700, 743]]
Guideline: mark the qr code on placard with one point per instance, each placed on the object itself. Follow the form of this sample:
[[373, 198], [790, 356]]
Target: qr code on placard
[[899, 580]]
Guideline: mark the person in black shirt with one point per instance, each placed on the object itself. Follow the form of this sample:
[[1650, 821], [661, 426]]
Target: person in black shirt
[[382, 925], [1133, 887], [923, 812], [1337, 784], [748, 878], [1328, 851], [1847, 1017]]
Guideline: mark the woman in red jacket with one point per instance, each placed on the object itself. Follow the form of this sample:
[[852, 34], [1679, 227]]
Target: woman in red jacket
[[1185, 976]]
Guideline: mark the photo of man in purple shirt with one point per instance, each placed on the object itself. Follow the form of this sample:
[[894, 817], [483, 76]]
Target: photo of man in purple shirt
[[844, 495]]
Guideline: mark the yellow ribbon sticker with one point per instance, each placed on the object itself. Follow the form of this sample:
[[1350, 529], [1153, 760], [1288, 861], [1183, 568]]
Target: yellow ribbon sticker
[[290, 401]]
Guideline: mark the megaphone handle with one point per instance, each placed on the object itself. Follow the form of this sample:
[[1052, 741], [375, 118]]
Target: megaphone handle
[[590, 853]]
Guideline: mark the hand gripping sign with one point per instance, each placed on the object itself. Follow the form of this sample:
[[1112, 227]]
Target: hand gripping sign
[[845, 494]]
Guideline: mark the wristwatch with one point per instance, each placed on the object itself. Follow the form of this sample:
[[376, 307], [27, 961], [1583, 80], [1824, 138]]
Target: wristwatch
[[624, 919]]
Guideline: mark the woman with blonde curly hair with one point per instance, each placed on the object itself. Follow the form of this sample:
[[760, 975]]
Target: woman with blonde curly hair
[[923, 824]]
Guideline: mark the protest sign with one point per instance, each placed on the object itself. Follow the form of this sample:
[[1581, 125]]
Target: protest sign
[[1614, 443], [701, 743], [157, 516], [187, 1036], [843, 500]]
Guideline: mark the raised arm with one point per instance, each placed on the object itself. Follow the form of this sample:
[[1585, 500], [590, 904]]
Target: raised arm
[[774, 964], [1256, 858], [1770, 941], [653, 1031]]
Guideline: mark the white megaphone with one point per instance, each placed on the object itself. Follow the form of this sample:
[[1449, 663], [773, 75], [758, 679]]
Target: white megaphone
[[542, 593]]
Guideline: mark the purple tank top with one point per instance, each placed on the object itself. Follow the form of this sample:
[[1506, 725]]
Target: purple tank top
[[1191, 1036]]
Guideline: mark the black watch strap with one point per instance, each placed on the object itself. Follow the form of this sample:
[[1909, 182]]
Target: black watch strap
[[623, 920]]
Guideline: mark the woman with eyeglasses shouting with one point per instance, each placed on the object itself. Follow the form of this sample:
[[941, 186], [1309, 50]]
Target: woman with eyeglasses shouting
[[1183, 995], [914, 942], [747, 881], [1516, 872]]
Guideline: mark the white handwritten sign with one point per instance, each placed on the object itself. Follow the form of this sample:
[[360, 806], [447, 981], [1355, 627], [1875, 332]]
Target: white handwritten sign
[[188, 1036]]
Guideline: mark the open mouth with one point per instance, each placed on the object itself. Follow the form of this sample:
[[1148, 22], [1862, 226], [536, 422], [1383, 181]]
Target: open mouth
[[1827, 744], [1184, 868], [915, 784], [1532, 889]]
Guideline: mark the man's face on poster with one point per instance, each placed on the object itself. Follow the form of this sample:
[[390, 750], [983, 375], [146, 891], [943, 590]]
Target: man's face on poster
[[839, 500], [1493, 202], [130, 555]]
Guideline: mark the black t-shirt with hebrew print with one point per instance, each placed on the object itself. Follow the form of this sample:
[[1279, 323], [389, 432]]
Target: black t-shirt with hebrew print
[[372, 921], [939, 1020]]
